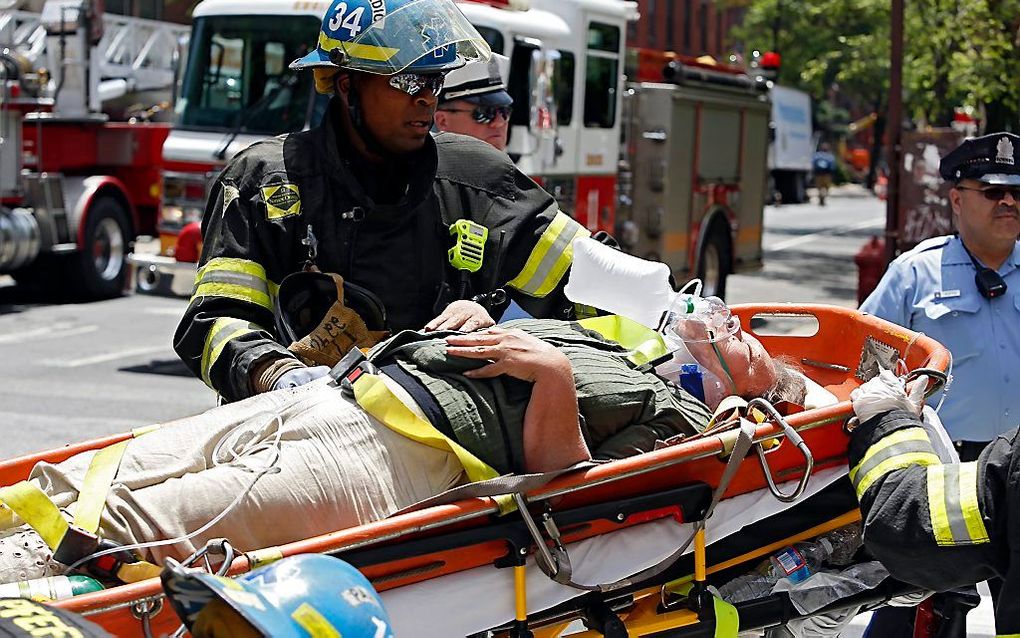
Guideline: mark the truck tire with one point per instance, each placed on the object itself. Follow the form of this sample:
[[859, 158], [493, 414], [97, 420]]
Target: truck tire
[[714, 262], [98, 270]]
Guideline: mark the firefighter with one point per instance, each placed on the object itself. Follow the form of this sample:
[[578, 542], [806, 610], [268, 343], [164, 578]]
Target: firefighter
[[308, 594], [932, 522], [371, 196]]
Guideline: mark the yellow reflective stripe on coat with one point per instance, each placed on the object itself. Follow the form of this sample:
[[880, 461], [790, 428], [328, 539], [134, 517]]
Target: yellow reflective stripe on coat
[[363, 51], [551, 258], [953, 505], [222, 331], [32, 506], [903, 448], [234, 278], [643, 343], [378, 400]]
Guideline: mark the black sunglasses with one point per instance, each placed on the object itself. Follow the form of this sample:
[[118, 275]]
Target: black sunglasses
[[415, 83], [485, 114], [996, 193]]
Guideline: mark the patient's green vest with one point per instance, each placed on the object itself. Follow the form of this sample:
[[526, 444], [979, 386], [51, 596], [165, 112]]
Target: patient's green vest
[[623, 409]]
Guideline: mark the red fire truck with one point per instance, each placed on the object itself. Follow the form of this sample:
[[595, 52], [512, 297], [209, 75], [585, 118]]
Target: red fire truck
[[76, 184], [671, 162]]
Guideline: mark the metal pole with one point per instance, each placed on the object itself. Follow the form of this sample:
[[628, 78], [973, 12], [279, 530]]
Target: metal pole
[[894, 129]]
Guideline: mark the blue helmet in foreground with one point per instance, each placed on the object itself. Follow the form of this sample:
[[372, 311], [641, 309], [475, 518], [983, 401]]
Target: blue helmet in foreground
[[387, 37], [296, 597]]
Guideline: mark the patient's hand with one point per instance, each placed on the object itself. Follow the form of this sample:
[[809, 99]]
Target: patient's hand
[[511, 352], [462, 315]]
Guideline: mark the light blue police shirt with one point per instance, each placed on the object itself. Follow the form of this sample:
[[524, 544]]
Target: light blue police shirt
[[931, 289]]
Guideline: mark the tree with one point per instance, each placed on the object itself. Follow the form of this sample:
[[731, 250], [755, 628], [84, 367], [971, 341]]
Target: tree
[[956, 53]]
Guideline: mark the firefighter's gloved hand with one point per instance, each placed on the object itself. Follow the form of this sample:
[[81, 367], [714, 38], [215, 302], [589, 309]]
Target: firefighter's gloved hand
[[463, 315], [300, 376], [885, 393]]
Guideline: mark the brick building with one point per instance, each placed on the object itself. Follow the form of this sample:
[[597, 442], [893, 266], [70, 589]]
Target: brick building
[[688, 27]]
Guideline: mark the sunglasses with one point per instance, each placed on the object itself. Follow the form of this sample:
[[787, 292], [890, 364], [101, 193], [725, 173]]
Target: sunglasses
[[415, 83], [485, 114], [995, 194]]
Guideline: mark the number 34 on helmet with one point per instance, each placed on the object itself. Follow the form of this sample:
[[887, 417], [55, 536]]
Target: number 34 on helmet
[[387, 37]]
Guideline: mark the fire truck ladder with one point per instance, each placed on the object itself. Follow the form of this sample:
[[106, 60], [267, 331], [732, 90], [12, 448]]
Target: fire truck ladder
[[138, 51]]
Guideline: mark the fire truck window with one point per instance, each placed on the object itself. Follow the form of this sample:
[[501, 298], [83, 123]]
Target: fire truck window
[[493, 37], [519, 85], [602, 76], [563, 86], [237, 75]]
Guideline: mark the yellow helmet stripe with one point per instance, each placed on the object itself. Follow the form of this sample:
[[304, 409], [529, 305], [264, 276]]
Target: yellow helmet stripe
[[356, 50]]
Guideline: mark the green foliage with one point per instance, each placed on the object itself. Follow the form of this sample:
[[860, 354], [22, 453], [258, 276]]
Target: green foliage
[[956, 52]]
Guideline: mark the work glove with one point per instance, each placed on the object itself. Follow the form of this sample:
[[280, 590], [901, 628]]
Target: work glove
[[300, 376], [885, 393], [339, 328]]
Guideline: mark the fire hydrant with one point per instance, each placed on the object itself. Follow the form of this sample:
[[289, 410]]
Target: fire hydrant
[[870, 260]]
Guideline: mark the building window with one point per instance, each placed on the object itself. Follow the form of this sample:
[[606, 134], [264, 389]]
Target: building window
[[703, 25], [688, 25], [652, 23], [670, 25]]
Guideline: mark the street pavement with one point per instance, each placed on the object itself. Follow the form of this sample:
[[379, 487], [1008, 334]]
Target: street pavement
[[77, 371]]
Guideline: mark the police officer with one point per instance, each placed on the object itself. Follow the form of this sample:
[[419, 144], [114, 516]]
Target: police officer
[[474, 102], [964, 291], [934, 524], [371, 196]]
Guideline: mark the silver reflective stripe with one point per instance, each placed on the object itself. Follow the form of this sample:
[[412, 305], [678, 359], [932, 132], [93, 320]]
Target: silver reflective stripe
[[233, 278]]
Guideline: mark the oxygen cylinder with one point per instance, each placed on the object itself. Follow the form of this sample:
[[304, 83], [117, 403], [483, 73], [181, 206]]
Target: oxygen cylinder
[[52, 588]]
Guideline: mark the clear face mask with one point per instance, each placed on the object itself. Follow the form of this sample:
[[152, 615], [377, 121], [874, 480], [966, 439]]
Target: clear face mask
[[696, 325]]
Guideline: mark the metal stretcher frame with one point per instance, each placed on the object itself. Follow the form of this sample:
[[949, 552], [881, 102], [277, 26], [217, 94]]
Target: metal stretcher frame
[[831, 357]]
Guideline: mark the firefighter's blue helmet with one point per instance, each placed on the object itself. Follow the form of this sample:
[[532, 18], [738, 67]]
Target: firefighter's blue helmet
[[286, 599], [387, 37]]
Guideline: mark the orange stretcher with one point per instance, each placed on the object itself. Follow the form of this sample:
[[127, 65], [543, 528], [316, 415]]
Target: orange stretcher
[[675, 482]]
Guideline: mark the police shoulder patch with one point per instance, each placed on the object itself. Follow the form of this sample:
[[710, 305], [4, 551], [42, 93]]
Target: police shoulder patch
[[282, 200]]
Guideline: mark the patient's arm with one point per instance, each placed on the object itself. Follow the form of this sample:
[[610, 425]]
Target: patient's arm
[[552, 430]]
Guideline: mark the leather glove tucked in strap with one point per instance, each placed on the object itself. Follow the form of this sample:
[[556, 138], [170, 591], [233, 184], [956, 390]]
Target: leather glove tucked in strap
[[340, 329]]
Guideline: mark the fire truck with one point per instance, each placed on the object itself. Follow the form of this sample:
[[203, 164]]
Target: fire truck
[[79, 162], [672, 162]]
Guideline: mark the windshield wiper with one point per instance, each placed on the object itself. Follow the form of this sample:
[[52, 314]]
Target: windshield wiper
[[286, 82]]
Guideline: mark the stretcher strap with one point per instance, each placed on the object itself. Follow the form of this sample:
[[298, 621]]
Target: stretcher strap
[[744, 441], [378, 400], [37, 510], [96, 486], [499, 486]]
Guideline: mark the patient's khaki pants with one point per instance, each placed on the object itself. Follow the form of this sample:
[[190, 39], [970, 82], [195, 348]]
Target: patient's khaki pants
[[337, 467]]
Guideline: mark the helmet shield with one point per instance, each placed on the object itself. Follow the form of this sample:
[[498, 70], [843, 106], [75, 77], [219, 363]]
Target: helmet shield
[[422, 36]]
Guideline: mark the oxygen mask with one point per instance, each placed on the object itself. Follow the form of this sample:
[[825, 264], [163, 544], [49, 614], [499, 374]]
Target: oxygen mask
[[692, 329]]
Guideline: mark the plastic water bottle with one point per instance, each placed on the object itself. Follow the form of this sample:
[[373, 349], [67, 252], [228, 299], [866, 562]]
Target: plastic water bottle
[[52, 588], [796, 562], [845, 542]]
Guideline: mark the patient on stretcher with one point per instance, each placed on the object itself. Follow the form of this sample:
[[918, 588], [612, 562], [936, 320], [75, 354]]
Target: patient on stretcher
[[531, 396]]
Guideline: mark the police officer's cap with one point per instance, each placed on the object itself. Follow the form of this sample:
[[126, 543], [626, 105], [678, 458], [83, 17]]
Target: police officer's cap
[[989, 159], [479, 82]]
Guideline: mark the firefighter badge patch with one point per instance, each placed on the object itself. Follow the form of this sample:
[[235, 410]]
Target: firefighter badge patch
[[282, 200]]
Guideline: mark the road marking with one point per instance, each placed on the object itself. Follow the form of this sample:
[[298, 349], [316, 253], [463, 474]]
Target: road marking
[[102, 358], [806, 239], [46, 333], [177, 312]]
